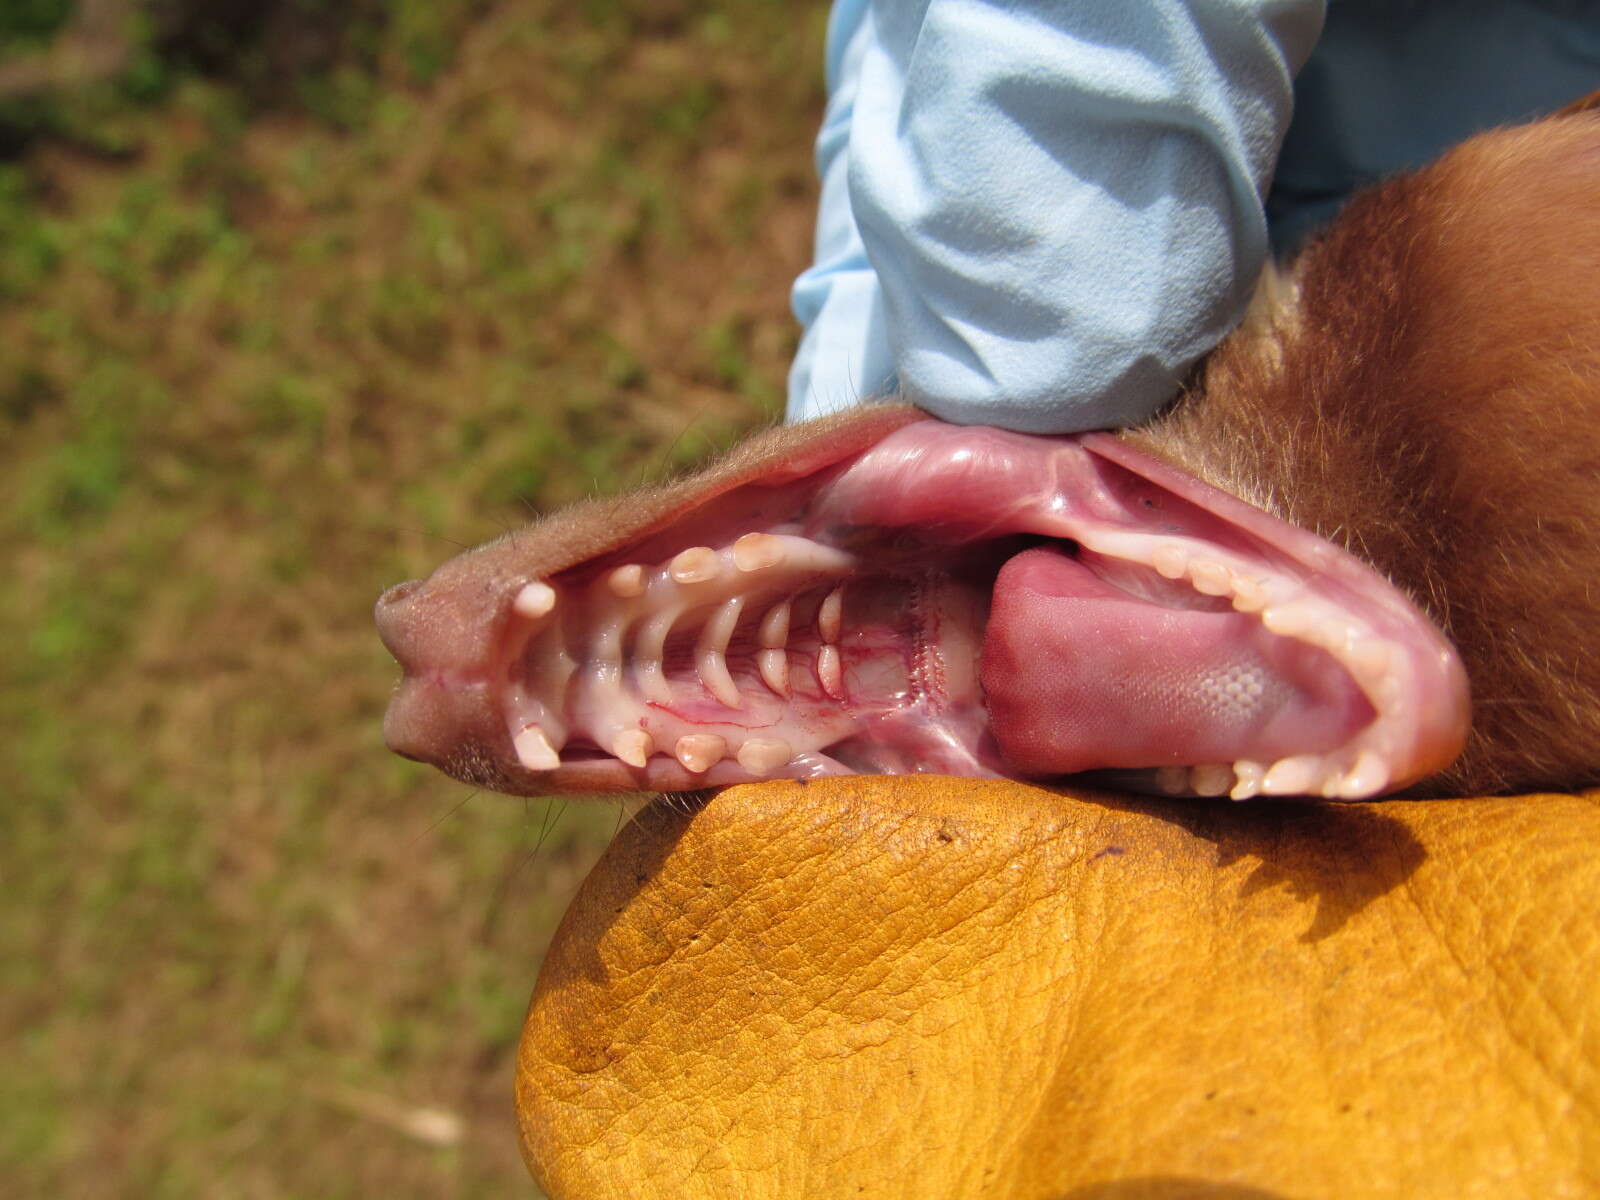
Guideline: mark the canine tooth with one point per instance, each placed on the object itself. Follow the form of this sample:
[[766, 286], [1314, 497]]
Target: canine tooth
[[831, 615], [760, 755], [713, 669], [627, 581], [719, 629], [774, 666], [1211, 578], [830, 671], [1287, 620], [694, 565], [648, 648], [775, 626], [1170, 560], [700, 751], [756, 551], [633, 746], [1246, 779], [1293, 776], [1212, 779], [1368, 777], [1174, 781], [1248, 595], [534, 600], [534, 750]]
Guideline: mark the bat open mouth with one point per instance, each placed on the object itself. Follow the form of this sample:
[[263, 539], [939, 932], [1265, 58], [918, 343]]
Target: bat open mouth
[[951, 600]]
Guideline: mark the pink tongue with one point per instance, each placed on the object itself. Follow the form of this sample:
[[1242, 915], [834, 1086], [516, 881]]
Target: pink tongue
[[1079, 674]]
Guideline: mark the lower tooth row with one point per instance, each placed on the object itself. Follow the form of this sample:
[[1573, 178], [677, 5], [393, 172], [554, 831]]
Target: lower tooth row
[[698, 752], [1299, 775]]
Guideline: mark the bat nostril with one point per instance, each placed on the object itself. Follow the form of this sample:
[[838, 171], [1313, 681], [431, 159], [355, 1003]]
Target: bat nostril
[[398, 593]]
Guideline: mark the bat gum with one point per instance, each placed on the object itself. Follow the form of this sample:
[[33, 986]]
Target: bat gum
[[881, 592]]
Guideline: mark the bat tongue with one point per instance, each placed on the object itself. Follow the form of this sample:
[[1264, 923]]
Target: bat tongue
[[1081, 673]]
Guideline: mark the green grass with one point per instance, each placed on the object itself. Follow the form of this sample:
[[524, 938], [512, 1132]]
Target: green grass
[[283, 348]]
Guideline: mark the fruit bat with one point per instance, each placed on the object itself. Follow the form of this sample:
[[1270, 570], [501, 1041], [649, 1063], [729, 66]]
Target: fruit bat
[[1359, 554]]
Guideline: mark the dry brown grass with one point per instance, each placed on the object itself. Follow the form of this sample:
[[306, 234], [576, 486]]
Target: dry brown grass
[[261, 370]]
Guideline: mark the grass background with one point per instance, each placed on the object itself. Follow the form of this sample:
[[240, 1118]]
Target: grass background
[[292, 306]]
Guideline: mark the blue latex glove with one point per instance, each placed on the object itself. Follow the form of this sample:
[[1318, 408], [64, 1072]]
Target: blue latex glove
[[1039, 215]]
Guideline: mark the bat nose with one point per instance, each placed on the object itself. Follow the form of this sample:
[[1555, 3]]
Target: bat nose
[[390, 613]]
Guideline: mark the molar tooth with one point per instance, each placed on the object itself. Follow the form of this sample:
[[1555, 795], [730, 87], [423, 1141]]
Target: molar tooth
[[1293, 776], [1211, 779], [1171, 560], [775, 626], [694, 565], [831, 615], [761, 755], [1211, 578], [534, 750], [535, 600], [1287, 620], [1246, 779], [626, 581], [1367, 778], [757, 551], [699, 752], [830, 671], [633, 746], [774, 664], [1174, 781]]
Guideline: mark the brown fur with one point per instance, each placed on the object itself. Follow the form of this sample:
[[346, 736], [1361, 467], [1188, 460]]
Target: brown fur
[[1425, 390]]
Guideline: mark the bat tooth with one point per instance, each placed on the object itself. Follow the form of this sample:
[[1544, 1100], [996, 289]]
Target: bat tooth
[[1246, 779], [757, 551], [1211, 578], [633, 746], [775, 626], [1336, 636], [1174, 781], [694, 565], [1368, 777], [713, 669], [1372, 661], [774, 666], [534, 600], [761, 755], [626, 581], [699, 752], [1211, 779], [1287, 620], [1170, 560], [1294, 776], [1248, 595], [831, 615], [830, 671], [534, 750]]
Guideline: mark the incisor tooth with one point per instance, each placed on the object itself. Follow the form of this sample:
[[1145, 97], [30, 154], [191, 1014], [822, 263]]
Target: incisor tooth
[[774, 665], [756, 551], [831, 615], [1246, 779], [775, 626], [1368, 777], [626, 581], [1170, 560], [1292, 776], [1286, 620], [1211, 578], [1174, 781], [830, 671], [534, 750], [694, 565], [535, 600], [634, 747], [700, 751], [760, 755], [1212, 779]]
